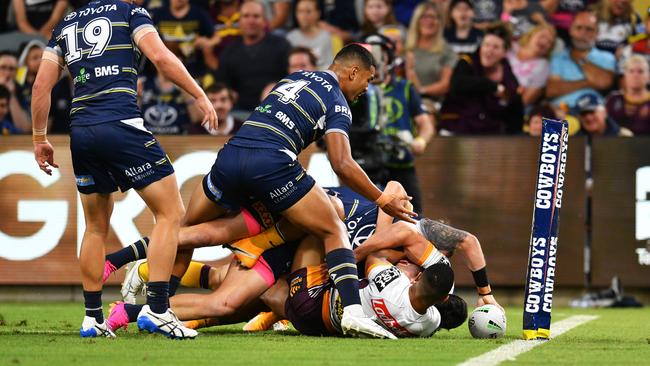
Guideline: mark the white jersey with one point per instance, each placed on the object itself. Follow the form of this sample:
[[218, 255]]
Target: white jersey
[[387, 299]]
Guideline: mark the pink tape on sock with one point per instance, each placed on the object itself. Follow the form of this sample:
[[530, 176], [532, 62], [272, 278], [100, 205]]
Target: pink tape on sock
[[253, 226], [265, 271]]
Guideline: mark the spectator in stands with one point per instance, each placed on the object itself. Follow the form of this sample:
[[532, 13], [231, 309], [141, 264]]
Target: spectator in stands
[[225, 14], [188, 32], [7, 126], [339, 17], [594, 119], [397, 35], [165, 107], [617, 21], [534, 124], [522, 15], [310, 33], [429, 59], [460, 33], [529, 61], [28, 64], [562, 13], [38, 17], [300, 58], [376, 14], [639, 44], [631, 105], [487, 12], [484, 97], [582, 68], [255, 60], [278, 14], [223, 99], [16, 114]]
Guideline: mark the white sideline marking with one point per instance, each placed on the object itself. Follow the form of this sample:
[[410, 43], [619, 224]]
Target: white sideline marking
[[508, 352]]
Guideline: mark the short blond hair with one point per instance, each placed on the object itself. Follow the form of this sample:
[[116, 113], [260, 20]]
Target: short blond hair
[[526, 38], [636, 59]]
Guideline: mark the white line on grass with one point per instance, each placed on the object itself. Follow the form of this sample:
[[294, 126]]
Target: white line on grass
[[513, 349]]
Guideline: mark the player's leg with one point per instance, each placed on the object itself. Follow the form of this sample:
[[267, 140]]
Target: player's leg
[[341, 263], [97, 212]]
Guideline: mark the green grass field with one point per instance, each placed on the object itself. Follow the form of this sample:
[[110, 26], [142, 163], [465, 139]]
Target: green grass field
[[47, 334]]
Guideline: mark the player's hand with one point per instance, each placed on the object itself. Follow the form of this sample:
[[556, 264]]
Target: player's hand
[[488, 299], [44, 155], [397, 209], [210, 120]]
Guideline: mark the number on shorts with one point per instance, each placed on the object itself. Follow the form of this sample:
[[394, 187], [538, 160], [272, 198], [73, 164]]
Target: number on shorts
[[97, 34], [290, 90]]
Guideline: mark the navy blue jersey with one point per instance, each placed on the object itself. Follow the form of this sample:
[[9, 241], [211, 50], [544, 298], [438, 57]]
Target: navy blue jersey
[[300, 109], [360, 214], [96, 44]]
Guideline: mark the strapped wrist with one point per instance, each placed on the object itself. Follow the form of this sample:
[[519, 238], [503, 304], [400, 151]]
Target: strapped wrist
[[39, 135], [383, 199]]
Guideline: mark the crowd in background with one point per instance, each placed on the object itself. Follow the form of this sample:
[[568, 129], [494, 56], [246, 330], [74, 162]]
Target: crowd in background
[[480, 66]]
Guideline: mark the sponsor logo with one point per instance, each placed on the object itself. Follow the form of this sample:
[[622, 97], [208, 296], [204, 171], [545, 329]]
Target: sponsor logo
[[545, 182], [82, 77], [278, 194], [319, 79], [70, 16], [286, 121], [295, 285], [263, 214], [97, 10], [139, 172], [264, 109], [107, 71], [380, 308], [385, 277], [84, 180], [140, 10]]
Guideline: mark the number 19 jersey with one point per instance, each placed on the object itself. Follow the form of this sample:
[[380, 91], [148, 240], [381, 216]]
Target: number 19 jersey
[[96, 44], [300, 109]]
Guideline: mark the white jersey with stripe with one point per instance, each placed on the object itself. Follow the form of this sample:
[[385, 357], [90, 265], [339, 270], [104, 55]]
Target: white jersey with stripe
[[387, 298]]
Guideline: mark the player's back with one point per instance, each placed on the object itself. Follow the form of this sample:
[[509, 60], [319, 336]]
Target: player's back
[[387, 298], [300, 109], [96, 44]]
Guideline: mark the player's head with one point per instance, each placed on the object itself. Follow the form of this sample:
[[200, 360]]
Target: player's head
[[453, 312], [355, 68], [436, 281]]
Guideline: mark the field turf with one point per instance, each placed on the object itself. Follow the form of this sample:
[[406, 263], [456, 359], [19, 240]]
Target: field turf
[[47, 334]]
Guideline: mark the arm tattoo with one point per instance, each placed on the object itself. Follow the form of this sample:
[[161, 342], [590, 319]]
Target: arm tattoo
[[444, 237]]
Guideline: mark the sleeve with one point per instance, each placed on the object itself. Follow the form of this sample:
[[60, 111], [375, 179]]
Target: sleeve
[[415, 102], [338, 118], [556, 66], [377, 269], [53, 51], [540, 75], [449, 58], [604, 60], [140, 23]]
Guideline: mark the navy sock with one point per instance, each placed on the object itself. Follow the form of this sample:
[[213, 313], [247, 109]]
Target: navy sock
[[133, 252], [132, 311], [158, 296], [93, 304], [204, 278], [174, 282], [342, 268]]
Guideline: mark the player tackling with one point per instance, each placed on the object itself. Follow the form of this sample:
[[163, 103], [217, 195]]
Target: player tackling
[[100, 44]]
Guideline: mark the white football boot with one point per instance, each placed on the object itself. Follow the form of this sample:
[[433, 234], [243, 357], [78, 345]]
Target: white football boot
[[133, 283], [355, 323], [166, 324], [91, 329]]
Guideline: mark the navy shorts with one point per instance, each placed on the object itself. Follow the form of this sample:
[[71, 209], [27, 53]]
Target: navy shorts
[[264, 181], [280, 258], [115, 154]]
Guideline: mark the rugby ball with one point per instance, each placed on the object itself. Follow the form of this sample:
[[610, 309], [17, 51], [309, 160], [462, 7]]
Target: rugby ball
[[487, 321]]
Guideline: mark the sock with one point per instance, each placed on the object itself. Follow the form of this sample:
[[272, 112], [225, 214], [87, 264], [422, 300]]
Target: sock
[[132, 311], [128, 254], [174, 281], [204, 279], [265, 240], [192, 277], [93, 304], [342, 268], [143, 271], [157, 296]]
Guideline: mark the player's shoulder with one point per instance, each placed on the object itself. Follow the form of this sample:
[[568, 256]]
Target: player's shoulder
[[385, 276]]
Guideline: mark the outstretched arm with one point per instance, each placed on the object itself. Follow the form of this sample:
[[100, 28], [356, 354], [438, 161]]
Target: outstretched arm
[[47, 76], [351, 174]]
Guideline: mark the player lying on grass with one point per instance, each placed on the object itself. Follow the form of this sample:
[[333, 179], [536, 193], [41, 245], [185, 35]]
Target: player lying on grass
[[361, 219]]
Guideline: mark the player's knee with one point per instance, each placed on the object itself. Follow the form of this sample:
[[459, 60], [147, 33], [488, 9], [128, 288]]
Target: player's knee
[[223, 307]]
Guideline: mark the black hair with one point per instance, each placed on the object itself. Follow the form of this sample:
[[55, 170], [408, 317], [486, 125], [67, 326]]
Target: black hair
[[438, 278], [500, 30], [300, 49], [218, 87], [453, 312], [451, 7], [4, 93], [355, 52], [8, 53]]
